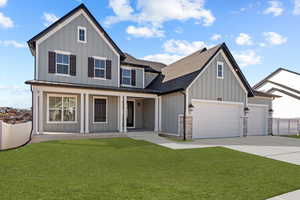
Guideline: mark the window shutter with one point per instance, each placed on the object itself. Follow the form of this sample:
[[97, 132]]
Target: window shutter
[[51, 62], [121, 71], [90, 67], [133, 77], [73, 65], [108, 69]]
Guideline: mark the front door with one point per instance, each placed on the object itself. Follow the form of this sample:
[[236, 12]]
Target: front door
[[130, 114]]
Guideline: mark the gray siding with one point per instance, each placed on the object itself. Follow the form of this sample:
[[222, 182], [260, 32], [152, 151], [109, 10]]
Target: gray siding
[[139, 76], [260, 100], [149, 114], [60, 127], [66, 40], [139, 113], [149, 77], [209, 87], [112, 116], [172, 106]]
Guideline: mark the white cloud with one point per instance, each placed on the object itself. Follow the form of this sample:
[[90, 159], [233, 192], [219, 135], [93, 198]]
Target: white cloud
[[164, 58], [144, 32], [275, 8], [262, 44], [156, 12], [12, 43], [182, 47], [15, 96], [215, 37], [296, 7], [247, 58], [273, 38], [49, 18], [3, 3], [243, 39], [5, 21]]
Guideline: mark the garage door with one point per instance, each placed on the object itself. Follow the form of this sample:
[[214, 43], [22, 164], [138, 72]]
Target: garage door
[[216, 119], [258, 119]]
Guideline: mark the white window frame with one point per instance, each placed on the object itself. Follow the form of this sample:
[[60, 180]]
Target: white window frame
[[106, 102], [62, 53], [126, 68], [78, 34], [99, 58], [222, 64], [62, 119]]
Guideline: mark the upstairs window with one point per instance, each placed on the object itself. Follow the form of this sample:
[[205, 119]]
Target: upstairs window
[[82, 34], [126, 76], [100, 67], [220, 70], [62, 63]]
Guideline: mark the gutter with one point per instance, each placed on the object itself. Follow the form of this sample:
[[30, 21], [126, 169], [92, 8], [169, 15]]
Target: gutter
[[184, 115]]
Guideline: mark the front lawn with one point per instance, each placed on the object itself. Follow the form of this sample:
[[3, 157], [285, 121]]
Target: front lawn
[[120, 169], [294, 136]]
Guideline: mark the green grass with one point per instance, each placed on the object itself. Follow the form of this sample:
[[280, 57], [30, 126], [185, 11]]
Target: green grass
[[125, 169], [293, 136]]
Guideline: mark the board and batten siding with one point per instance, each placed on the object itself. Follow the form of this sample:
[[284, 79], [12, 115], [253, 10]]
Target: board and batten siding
[[172, 107], [148, 114], [261, 101], [209, 87], [149, 77], [138, 76], [112, 115], [60, 127], [65, 39]]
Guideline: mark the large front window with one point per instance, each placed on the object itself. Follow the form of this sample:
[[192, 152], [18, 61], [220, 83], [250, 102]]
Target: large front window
[[100, 68], [62, 109], [126, 76], [62, 63]]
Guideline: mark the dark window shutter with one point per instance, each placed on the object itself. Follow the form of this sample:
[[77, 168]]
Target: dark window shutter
[[133, 77], [51, 62], [73, 65], [121, 75], [108, 69], [90, 67]]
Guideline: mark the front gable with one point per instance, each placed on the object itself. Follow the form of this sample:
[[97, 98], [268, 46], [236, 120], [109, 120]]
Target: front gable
[[209, 87]]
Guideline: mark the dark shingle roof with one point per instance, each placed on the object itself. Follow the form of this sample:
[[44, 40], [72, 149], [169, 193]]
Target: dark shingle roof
[[154, 66]]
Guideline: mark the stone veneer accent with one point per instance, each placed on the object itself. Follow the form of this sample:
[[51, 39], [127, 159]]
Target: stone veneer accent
[[188, 126]]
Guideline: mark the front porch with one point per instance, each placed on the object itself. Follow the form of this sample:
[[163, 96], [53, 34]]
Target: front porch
[[62, 111]]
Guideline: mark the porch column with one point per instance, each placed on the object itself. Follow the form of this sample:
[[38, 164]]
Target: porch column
[[120, 113], [125, 114], [87, 113], [81, 113], [41, 113], [160, 113], [156, 115], [35, 120]]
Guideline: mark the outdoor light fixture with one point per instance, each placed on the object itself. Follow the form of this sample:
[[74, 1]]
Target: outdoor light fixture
[[246, 110], [191, 107]]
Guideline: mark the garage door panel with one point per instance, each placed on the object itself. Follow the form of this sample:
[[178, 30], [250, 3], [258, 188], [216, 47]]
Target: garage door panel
[[212, 120], [257, 120]]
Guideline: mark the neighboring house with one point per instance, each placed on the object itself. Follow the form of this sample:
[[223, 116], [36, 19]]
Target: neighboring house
[[286, 84], [85, 84]]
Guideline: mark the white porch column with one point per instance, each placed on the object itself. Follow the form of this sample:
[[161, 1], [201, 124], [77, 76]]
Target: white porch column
[[125, 114], [120, 113], [160, 114], [41, 112], [156, 115], [35, 113], [81, 113], [87, 113]]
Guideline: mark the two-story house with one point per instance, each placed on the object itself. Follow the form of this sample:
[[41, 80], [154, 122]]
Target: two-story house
[[84, 83]]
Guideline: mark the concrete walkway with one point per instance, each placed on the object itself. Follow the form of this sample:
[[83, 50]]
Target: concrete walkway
[[288, 196]]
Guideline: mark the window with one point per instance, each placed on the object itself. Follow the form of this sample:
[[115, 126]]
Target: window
[[82, 34], [126, 76], [100, 109], [61, 109], [220, 72], [62, 63], [100, 65]]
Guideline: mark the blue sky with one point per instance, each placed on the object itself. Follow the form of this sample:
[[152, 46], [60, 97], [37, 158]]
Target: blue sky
[[262, 35]]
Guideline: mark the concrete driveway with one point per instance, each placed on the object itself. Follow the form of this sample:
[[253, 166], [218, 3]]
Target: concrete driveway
[[274, 147]]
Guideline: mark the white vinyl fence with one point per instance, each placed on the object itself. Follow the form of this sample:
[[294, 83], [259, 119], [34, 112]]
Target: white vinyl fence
[[14, 135], [286, 126]]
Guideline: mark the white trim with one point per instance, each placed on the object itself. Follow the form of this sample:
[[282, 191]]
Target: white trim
[[41, 112], [62, 121], [62, 52], [120, 114], [82, 113], [222, 64], [56, 63], [258, 105], [87, 122], [99, 58], [126, 77], [156, 114], [125, 114], [160, 113], [106, 114], [217, 102], [85, 34], [134, 113]]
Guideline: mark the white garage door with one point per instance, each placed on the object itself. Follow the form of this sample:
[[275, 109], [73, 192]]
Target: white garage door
[[216, 119], [258, 119]]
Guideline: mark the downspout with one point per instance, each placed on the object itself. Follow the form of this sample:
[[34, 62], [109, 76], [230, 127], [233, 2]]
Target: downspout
[[184, 115]]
